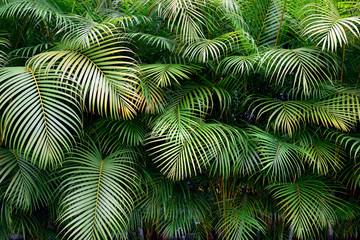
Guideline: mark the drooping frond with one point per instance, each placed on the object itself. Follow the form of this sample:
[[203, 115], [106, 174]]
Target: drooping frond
[[85, 33], [185, 16], [305, 67], [31, 51], [96, 194], [165, 75], [239, 65], [178, 209], [204, 50], [39, 115], [340, 111], [184, 157], [308, 204], [25, 186], [279, 158], [105, 74], [239, 219], [36, 10], [113, 133], [152, 40], [327, 27]]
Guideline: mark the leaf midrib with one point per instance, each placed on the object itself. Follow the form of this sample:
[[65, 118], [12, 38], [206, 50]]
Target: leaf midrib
[[97, 196]]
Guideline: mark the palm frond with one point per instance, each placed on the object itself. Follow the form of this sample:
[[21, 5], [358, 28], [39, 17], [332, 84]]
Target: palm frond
[[37, 10], [279, 159], [25, 186], [165, 75], [305, 67], [308, 204], [39, 115], [85, 32], [337, 110], [239, 219], [185, 16], [96, 194], [105, 74], [327, 27], [185, 156]]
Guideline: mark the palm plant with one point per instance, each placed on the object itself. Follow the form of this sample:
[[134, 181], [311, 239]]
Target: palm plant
[[181, 119]]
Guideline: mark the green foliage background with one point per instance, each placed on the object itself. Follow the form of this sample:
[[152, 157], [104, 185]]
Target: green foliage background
[[179, 119]]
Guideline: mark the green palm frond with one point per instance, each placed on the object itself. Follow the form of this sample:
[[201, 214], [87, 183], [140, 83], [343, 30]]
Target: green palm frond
[[279, 159], [347, 141], [204, 50], [37, 10], [239, 65], [96, 194], [178, 209], [39, 115], [126, 132], [105, 74], [185, 16], [187, 108], [152, 40], [340, 111], [322, 155], [165, 75], [327, 27], [84, 32], [185, 156], [5, 43], [239, 220], [308, 204], [31, 51], [25, 186], [306, 67]]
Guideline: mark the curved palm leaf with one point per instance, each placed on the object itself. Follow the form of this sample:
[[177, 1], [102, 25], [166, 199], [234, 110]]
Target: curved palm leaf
[[278, 158], [177, 208], [239, 65], [166, 74], [337, 110], [159, 42], [185, 16], [239, 220], [105, 73], [84, 32], [324, 24], [126, 132], [34, 9], [25, 186], [96, 192], [4, 42], [39, 115], [308, 66], [308, 204], [183, 157]]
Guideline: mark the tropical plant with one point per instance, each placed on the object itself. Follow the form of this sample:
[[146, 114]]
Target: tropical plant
[[179, 119]]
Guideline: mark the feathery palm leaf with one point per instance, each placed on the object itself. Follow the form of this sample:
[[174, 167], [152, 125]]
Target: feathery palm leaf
[[105, 74], [324, 24], [308, 66], [165, 75], [25, 186], [96, 192], [308, 204], [39, 115]]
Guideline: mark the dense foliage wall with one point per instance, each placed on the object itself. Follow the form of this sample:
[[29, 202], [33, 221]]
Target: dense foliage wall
[[179, 119]]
